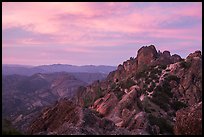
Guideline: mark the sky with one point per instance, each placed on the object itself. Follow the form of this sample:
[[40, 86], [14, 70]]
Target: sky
[[103, 33]]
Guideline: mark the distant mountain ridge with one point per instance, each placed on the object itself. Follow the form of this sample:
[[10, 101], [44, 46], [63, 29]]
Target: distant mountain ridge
[[30, 70], [25, 96]]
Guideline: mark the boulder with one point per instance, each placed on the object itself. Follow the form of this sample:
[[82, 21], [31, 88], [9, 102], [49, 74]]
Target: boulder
[[189, 120], [145, 55]]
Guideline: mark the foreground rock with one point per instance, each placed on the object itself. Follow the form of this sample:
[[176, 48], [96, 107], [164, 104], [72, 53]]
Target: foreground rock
[[189, 121], [66, 118]]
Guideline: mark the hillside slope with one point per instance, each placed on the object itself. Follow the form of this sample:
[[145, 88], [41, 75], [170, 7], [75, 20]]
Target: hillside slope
[[143, 96], [23, 97]]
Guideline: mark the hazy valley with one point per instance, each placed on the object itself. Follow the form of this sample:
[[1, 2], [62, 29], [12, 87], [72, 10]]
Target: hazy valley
[[24, 96]]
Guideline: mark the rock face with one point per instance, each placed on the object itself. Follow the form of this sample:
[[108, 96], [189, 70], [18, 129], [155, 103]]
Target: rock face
[[66, 118], [148, 94], [189, 120], [175, 58], [145, 55], [189, 72], [106, 104], [153, 91]]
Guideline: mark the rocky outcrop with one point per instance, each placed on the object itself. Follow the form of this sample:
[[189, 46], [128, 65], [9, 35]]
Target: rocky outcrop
[[175, 58], [154, 83], [52, 118], [145, 56], [189, 72], [195, 54], [66, 118], [189, 120], [145, 95], [105, 105]]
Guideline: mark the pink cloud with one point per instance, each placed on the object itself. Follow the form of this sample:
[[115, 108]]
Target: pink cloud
[[43, 21], [80, 26]]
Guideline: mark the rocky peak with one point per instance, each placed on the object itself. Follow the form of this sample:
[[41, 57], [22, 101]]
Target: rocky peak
[[167, 54], [145, 55], [175, 58], [195, 54]]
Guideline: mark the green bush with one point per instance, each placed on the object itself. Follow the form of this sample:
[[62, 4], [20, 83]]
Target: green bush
[[185, 64], [161, 97], [113, 85], [153, 84], [99, 93], [127, 84], [118, 92], [162, 66], [166, 88], [130, 82], [172, 77], [176, 105], [87, 101], [156, 71], [140, 74], [8, 129], [131, 58], [153, 76], [161, 102], [162, 123]]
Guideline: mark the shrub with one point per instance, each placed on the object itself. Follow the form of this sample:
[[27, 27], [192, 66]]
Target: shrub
[[99, 93], [140, 74], [156, 71], [87, 101], [162, 123], [185, 64], [147, 110], [8, 129], [161, 103], [168, 70], [153, 75], [128, 83], [162, 66], [166, 88], [118, 93], [173, 77], [153, 84], [113, 85], [11, 132], [131, 58], [176, 105], [161, 97]]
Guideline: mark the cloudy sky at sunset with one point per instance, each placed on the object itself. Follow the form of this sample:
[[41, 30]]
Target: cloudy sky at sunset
[[96, 33]]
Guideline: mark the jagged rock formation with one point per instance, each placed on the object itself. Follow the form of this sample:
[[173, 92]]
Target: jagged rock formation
[[145, 93], [66, 118]]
